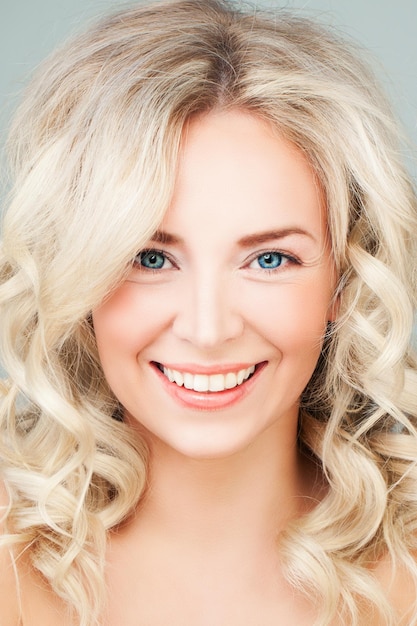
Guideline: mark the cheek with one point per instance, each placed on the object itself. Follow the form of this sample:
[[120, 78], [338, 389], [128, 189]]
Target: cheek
[[126, 322], [293, 317], [298, 337], [309, 314]]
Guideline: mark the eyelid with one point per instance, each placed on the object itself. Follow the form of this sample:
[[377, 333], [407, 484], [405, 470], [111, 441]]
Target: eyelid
[[137, 264], [291, 258]]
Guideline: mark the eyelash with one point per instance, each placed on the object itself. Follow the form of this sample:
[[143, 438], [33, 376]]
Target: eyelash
[[148, 252], [287, 258]]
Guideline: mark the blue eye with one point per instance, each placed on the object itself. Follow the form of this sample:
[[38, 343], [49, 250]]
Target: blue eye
[[151, 259], [269, 260]]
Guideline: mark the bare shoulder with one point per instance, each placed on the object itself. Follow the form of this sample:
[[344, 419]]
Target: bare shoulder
[[400, 588], [9, 598]]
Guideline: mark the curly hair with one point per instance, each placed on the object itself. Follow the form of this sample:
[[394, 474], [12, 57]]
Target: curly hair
[[94, 149]]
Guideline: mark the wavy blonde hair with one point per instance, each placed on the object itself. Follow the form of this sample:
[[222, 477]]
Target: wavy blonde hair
[[94, 149]]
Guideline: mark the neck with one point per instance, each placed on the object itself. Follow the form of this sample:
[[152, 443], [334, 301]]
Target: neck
[[251, 494], [211, 526]]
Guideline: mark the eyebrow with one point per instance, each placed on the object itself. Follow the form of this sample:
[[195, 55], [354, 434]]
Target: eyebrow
[[161, 236], [269, 235]]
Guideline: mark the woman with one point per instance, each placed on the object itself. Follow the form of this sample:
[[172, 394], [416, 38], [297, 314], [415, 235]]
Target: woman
[[207, 297]]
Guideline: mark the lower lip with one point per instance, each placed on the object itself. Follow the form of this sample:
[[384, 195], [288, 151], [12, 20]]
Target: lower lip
[[210, 401]]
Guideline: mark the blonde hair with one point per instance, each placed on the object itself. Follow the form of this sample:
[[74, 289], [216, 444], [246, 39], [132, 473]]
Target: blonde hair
[[94, 150]]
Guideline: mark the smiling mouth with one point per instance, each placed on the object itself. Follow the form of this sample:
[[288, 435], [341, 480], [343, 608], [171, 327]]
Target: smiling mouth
[[213, 383]]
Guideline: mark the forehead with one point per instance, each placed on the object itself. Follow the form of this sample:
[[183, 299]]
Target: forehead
[[234, 165]]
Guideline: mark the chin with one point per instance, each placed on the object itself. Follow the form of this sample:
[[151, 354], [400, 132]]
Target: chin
[[207, 449]]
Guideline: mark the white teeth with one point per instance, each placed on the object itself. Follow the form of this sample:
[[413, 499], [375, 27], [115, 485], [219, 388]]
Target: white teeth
[[188, 381], [212, 382], [216, 382], [178, 377], [230, 380], [169, 374], [201, 382]]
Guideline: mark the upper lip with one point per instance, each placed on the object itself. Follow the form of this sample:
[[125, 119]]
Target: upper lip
[[194, 368]]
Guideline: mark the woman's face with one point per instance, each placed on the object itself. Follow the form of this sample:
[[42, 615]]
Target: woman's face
[[212, 338]]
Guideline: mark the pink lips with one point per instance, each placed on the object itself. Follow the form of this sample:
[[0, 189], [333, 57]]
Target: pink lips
[[207, 400]]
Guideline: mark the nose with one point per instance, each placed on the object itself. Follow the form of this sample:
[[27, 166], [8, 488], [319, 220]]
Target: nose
[[207, 315]]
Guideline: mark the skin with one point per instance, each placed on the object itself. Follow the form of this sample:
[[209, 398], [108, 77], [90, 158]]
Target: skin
[[241, 193], [212, 306], [225, 475]]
